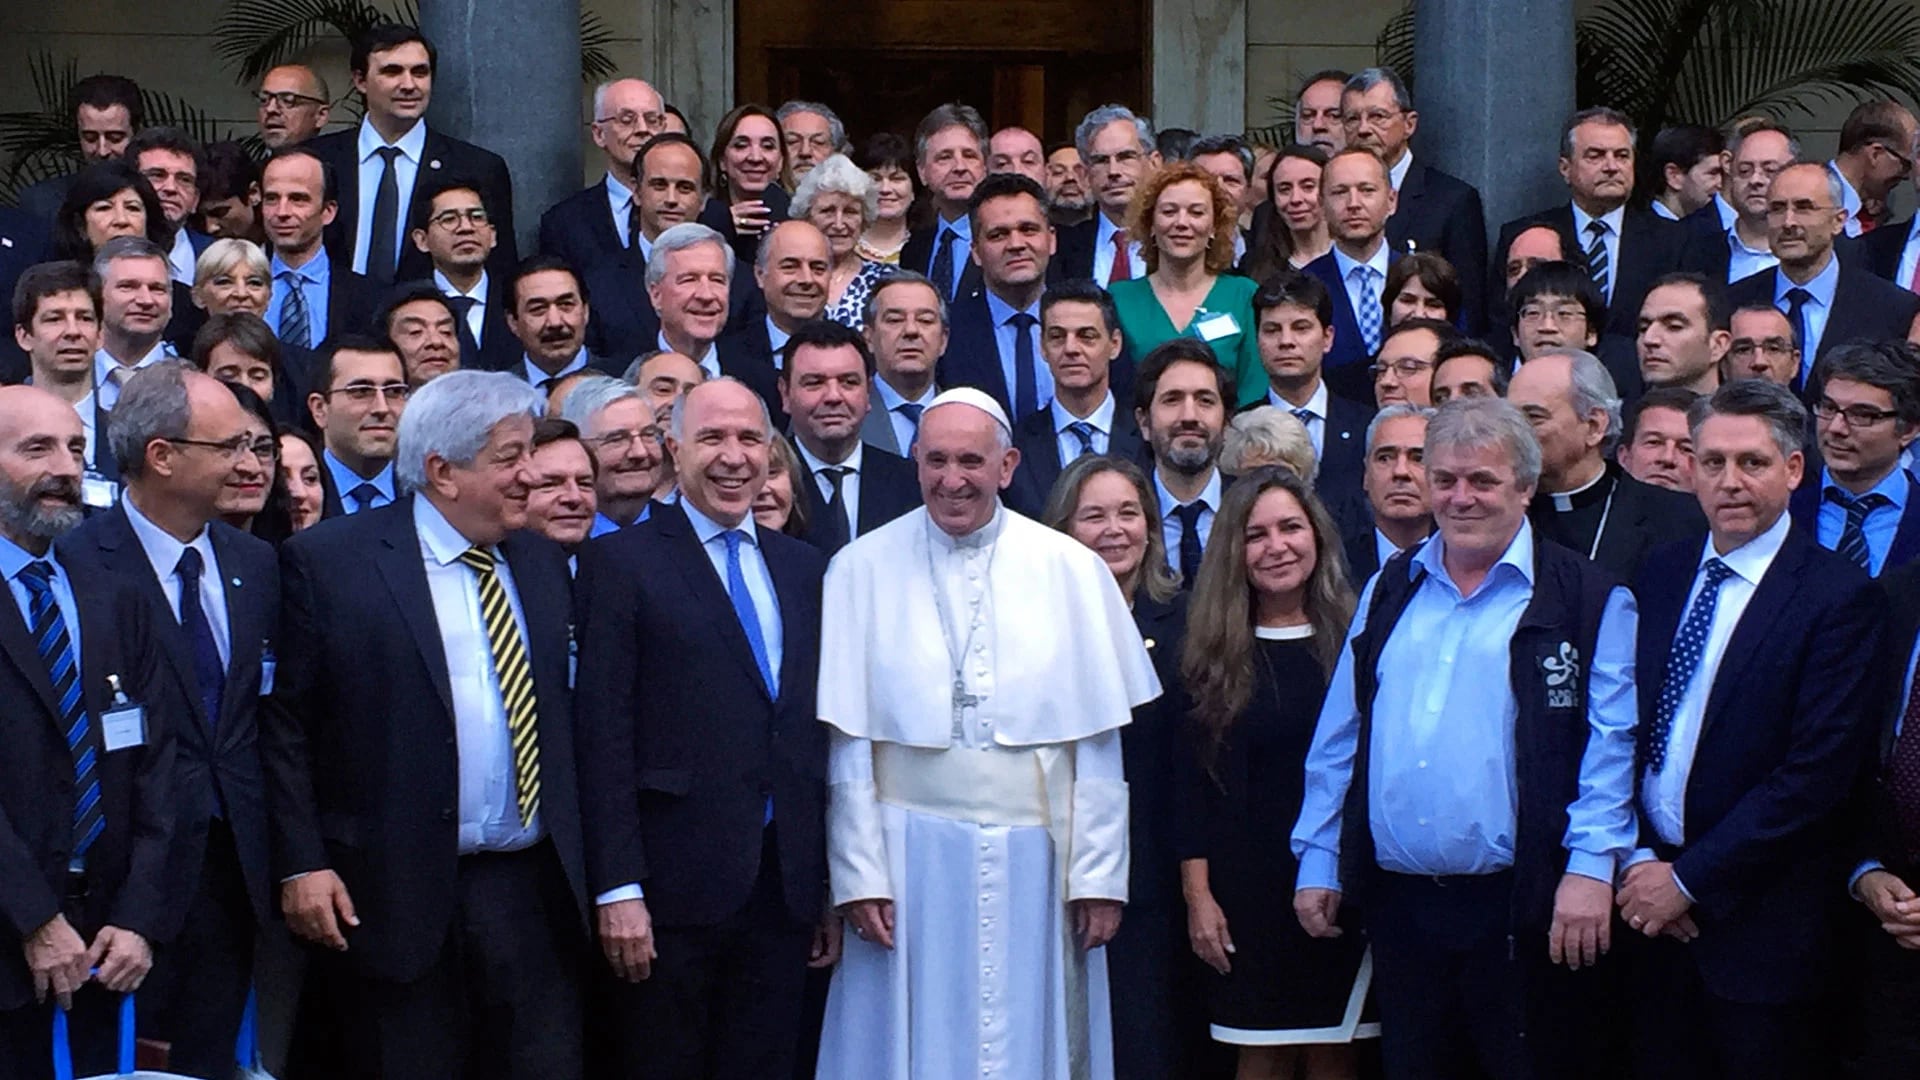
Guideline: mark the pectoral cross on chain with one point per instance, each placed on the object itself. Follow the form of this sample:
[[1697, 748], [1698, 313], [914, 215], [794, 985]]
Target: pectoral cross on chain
[[962, 702]]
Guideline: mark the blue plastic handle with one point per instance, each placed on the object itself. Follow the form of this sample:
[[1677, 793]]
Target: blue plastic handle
[[63, 1049]]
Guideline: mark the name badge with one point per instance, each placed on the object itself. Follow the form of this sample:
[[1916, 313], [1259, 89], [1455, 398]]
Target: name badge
[[267, 665], [1217, 326], [124, 727], [573, 658], [99, 492]]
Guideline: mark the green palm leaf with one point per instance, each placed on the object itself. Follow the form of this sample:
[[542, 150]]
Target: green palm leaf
[[255, 36]]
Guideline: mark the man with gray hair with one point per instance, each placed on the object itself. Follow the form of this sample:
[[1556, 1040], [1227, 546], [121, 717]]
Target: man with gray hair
[[1586, 501], [420, 754], [598, 224], [622, 433], [907, 328], [813, 133], [950, 156], [181, 439], [1118, 149], [136, 302], [689, 282], [1395, 485], [1470, 782]]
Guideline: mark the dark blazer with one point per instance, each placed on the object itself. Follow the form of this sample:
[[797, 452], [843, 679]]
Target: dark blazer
[[1343, 453], [41, 201], [681, 746], [23, 242], [889, 487], [747, 354], [497, 349], [1805, 502], [358, 737], [1865, 308], [917, 256], [1152, 748], [580, 229], [1650, 246], [717, 215], [1877, 834], [1785, 734], [1344, 367], [973, 356], [1441, 213], [621, 320], [1640, 518], [127, 867], [1879, 251], [1040, 463], [185, 320], [218, 760], [441, 153]]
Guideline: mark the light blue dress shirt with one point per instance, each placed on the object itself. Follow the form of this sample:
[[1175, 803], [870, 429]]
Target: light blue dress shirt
[[602, 524], [1068, 443], [904, 429], [405, 168], [1103, 249], [1379, 263], [345, 480], [1170, 527], [535, 376], [777, 339], [1005, 341], [620, 202], [163, 554], [315, 279], [1879, 526], [1816, 311], [1316, 419], [13, 559], [1442, 794], [753, 567], [962, 230], [109, 372]]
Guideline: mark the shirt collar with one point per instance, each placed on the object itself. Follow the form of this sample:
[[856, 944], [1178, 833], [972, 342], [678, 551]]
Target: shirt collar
[[1849, 195], [980, 537], [892, 399], [345, 479], [1518, 556], [777, 338], [536, 376], [1316, 405], [702, 361], [1661, 209], [1210, 495], [1101, 419], [815, 464], [103, 361], [961, 226], [1397, 175], [1821, 287], [449, 289], [1103, 232], [1001, 311], [1614, 218], [412, 144], [14, 558], [163, 551], [1378, 263], [1751, 559], [438, 538], [706, 528], [1893, 486], [619, 193], [1728, 215], [313, 270]]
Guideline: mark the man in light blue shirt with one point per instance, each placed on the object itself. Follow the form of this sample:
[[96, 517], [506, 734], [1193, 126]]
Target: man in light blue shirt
[[358, 413], [1472, 771], [1866, 414]]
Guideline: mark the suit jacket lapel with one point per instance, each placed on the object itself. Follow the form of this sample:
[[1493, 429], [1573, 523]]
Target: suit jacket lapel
[[1411, 189], [246, 623], [119, 548], [1906, 538], [709, 591], [787, 589], [1771, 600], [399, 560], [16, 642]]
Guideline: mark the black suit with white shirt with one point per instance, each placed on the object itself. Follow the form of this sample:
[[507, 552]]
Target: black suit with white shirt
[[888, 487], [1041, 462], [581, 228], [1441, 213]]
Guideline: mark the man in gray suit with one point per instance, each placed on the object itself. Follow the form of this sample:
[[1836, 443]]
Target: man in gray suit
[[907, 330]]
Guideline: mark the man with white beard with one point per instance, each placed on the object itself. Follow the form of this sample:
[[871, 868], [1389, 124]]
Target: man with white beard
[[975, 670]]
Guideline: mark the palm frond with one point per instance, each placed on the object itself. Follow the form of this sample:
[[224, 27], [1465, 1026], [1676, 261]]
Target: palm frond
[[254, 36], [1393, 46], [596, 62]]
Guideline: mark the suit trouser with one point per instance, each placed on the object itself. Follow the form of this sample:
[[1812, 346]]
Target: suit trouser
[[723, 1001], [1888, 1003], [1684, 1031], [198, 988], [504, 999], [26, 1033]]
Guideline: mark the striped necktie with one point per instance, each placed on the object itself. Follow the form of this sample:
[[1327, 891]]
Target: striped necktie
[[1597, 264], [515, 677], [295, 326], [50, 637], [1853, 532]]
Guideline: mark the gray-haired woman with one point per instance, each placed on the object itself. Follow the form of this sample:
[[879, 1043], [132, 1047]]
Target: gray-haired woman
[[841, 201]]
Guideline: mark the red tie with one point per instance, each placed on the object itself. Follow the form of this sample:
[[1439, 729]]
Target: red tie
[[1914, 285], [1903, 775], [1123, 262]]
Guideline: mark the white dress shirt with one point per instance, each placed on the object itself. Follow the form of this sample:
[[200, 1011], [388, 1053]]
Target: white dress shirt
[[1849, 198], [163, 554], [1665, 797], [489, 797], [182, 260], [1103, 250], [1316, 419], [1100, 420], [708, 361], [1909, 256], [1613, 220], [406, 168], [1397, 175], [109, 373], [476, 314], [849, 484]]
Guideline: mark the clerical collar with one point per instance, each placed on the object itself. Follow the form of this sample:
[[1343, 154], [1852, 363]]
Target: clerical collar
[[984, 536], [1588, 494]]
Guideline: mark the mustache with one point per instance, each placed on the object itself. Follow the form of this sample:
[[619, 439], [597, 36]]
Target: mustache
[[556, 333], [64, 488]]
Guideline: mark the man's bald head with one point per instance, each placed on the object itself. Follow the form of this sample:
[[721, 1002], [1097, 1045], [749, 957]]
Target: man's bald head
[[42, 448], [1017, 150]]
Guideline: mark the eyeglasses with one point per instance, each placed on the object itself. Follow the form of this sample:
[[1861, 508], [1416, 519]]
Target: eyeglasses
[[1373, 118], [451, 219], [156, 177], [1906, 163], [1406, 367], [286, 99], [629, 119], [617, 442], [1534, 314], [364, 393], [1803, 208], [1776, 347], [265, 448], [1857, 416]]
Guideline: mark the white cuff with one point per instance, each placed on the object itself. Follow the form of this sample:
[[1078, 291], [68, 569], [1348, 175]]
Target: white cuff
[[623, 893]]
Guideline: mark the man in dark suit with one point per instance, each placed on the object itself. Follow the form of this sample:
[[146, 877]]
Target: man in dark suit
[[316, 296], [419, 321], [1829, 300], [690, 277], [995, 342], [1293, 316], [850, 488], [359, 392], [1584, 502], [1888, 845], [1357, 194], [1435, 212], [173, 162], [107, 110], [1756, 678], [950, 156], [56, 322], [1396, 489], [223, 588], [790, 274], [1866, 410], [618, 426], [1180, 403], [420, 758], [453, 225], [86, 784], [1624, 249], [379, 162], [703, 762], [598, 224], [547, 311], [1118, 149], [1080, 339], [907, 332], [23, 241]]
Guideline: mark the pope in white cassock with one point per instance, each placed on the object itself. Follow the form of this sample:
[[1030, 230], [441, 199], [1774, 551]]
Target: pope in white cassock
[[975, 669]]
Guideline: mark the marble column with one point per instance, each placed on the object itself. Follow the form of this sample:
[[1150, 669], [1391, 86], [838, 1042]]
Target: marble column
[[1492, 115], [1199, 66], [508, 79]]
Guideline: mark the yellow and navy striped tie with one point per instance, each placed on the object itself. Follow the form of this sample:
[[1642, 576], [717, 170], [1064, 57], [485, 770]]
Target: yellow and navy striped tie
[[516, 679]]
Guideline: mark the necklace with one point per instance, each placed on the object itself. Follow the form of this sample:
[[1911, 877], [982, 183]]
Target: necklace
[[957, 654]]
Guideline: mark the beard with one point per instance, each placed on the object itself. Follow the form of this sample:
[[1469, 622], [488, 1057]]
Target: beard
[[1190, 460], [23, 514]]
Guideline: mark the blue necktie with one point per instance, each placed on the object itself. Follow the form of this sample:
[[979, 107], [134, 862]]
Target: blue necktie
[[941, 271], [363, 495], [1797, 299], [1083, 431], [911, 410], [1853, 534], [1026, 391], [295, 327], [1683, 659], [49, 630], [1190, 546], [1368, 313], [207, 669], [749, 617]]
